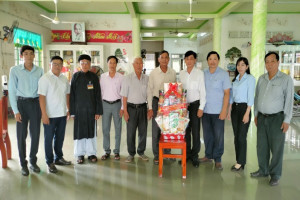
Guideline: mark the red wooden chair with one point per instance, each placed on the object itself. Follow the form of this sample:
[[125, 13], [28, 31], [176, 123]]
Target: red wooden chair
[[172, 144], [5, 146]]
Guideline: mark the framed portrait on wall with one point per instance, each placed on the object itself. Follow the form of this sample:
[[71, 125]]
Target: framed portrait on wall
[[78, 32]]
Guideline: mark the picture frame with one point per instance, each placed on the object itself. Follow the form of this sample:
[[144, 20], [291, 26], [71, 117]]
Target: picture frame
[[78, 33]]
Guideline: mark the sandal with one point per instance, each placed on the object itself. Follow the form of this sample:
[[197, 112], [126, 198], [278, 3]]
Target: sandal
[[156, 162], [117, 156], [80, 159], [105, 156], [93, 158]]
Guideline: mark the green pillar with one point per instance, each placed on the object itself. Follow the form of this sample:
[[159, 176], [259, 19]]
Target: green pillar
[[258, 37], [217, 35], [136, 41]]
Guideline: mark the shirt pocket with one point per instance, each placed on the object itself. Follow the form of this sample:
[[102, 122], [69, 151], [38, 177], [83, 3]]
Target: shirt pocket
[[276, 89], [217, 84], [193, 85]]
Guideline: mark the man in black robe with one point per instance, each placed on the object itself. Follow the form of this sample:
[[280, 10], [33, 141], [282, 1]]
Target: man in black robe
[[85, 108]]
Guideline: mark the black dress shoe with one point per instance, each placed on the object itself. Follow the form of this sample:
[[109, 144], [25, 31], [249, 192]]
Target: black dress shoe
[[52, 168], [274, 182], [62, 161], [195, 163], [233, 168], [258, 174], [25, 171], [35, 168]]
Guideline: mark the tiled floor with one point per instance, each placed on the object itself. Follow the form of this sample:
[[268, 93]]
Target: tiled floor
[[139, 180]]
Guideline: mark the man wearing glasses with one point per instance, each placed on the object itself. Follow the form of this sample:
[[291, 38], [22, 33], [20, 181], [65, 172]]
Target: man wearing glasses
[[54, 91]]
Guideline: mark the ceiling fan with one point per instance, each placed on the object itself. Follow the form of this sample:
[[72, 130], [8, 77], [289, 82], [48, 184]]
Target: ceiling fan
[[178, 34], [55, 20], [190, 18]]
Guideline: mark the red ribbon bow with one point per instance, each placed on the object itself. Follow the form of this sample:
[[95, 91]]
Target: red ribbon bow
[[172, 89]]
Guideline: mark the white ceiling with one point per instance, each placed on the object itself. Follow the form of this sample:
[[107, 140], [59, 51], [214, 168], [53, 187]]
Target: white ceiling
[[158, 17]]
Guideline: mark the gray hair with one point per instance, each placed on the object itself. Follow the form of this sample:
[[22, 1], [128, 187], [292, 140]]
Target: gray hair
[[135, 58]]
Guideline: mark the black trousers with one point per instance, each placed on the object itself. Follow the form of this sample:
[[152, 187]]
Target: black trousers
[[137, 120], [240, 131], [193, 131], [156, 131], [30, 113]]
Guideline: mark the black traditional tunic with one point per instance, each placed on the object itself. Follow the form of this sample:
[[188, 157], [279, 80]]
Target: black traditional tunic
[[85, 103]]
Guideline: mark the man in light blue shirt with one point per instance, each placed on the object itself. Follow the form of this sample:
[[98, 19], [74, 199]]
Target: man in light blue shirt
[[217, 85], [22, 88]]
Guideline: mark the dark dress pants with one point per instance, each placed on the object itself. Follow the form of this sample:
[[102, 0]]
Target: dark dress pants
[[193, 131], [54, 136], [30, 112], [137, 119], [270, 139], [156, 131], [213, 133], [240, 131]]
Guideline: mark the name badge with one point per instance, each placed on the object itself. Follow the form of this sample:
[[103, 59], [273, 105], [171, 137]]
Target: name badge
[[90, 86]]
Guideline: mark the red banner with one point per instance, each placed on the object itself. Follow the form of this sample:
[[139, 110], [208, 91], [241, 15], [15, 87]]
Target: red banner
[[95, 36]]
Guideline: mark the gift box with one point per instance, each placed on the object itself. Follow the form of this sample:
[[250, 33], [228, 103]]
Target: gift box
[[172, 111]]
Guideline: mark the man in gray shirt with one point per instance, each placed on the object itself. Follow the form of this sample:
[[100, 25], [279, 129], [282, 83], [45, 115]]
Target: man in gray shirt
[[134, 94], [273, 107]]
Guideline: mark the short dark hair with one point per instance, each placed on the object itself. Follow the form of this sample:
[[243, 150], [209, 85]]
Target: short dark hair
[[26, 47], [236, 73], [213, 52], [164, 51], [56, 58], [114, 57], [274, 53], [84, 57], [190, 53]]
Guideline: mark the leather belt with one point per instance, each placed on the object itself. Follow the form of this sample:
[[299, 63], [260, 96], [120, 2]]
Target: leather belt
[[194, 102], [271, 115], [112, 102], [27, 98], [132, 105], [235, 103]]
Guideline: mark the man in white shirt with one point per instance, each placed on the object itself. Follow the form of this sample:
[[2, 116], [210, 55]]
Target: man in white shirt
[[192, 80], [158, 76], [54, 94]]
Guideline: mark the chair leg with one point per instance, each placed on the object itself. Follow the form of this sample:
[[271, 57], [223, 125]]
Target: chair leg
[[8, 146], [160, 162], [3, 153], [184, 162]]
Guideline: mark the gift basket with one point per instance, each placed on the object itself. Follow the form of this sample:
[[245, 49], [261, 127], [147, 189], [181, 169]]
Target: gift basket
[[172, 111]]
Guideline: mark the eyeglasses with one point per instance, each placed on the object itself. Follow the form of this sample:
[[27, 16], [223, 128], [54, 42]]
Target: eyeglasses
[[84, 63], [57, 64]]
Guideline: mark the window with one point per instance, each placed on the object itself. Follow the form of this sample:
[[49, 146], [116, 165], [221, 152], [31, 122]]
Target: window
[[24, 37], [149, 62]]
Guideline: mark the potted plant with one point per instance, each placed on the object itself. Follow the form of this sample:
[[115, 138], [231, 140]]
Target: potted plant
[[232, 54]]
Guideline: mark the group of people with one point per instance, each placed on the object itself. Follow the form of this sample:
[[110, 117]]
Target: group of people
[[210, 96]]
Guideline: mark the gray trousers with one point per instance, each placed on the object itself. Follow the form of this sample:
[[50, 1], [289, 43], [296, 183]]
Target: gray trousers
[[111, 111], [270, 140], [137, 119], [31, 113]]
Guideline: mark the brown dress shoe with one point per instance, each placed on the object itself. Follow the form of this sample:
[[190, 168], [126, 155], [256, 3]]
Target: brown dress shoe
[[204, 159], [219, 166]]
